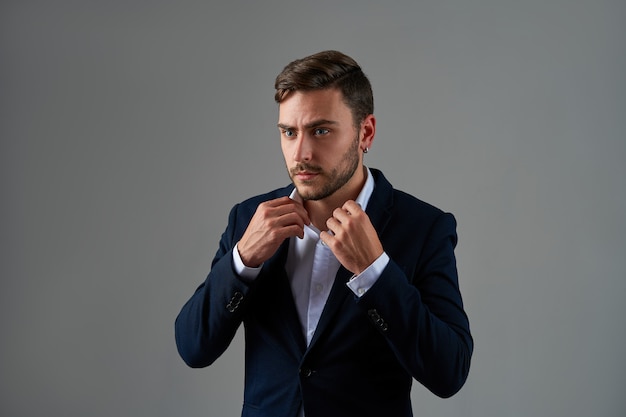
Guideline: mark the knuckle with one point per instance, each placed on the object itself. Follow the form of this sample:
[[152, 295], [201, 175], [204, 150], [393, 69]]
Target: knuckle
[[262, 209], [272, 224], [273, 235]]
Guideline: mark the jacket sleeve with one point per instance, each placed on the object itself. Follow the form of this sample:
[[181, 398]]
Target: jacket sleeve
[[208, 322], [416, 305]]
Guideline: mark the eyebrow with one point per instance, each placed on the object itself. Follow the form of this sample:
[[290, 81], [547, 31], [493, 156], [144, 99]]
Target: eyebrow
[[313, 124]]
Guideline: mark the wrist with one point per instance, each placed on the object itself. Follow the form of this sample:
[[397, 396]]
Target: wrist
[[241, 268]]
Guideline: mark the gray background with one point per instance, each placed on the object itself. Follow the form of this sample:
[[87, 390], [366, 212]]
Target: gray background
[[129, 129]]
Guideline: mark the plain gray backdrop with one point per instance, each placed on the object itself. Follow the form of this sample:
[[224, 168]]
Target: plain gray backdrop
[[130, 128]]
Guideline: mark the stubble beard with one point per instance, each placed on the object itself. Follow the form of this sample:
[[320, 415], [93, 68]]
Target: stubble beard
[[336, 178]]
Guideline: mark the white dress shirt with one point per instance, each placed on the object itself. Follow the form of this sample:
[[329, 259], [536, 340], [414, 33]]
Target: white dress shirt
[[311, 267]]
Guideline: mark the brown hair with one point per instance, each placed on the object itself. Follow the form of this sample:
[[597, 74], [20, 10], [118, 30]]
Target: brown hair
[[329, 69]]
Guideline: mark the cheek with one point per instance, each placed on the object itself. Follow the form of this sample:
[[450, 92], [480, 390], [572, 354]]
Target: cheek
[[284, 148], [287, 151]]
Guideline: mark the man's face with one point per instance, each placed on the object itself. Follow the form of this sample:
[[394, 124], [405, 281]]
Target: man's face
[[319, 141]]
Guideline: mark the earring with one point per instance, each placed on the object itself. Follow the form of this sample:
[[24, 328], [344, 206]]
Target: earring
[[366, 150]]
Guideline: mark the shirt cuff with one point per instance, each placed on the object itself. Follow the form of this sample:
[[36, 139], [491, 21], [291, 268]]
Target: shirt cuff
[[245, 272], [360, 284]]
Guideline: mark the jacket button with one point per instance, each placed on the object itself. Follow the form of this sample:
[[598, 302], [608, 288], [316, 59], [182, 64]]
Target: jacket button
[[306, 372], [382, 325], [234, 302]]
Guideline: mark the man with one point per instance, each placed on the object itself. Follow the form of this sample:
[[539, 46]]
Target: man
[[347, 288]]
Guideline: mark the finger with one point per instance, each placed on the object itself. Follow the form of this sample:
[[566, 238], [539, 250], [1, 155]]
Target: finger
[[341, 215], [294, 230], [275, 217], [277, 202], [352, 207], [326, 237], [301, 212], [290, 204], [334, 226], [284, 206]]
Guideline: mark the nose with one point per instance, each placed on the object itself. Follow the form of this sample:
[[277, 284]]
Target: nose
[[303, 149]]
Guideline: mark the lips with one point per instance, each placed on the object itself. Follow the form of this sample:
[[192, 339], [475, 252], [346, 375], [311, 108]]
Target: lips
[[305, 175], [305, 172]]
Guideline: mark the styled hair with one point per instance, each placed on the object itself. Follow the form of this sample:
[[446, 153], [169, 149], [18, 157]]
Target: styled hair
[[327, 70]]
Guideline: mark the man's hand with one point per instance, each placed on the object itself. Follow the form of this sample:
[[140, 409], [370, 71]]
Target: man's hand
[[272, 223], [353, 240]]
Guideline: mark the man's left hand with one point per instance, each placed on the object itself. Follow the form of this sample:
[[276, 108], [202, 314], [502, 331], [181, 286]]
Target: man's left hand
[[352, 237]]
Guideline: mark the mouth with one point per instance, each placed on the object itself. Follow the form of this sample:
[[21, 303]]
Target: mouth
[[305, 175]]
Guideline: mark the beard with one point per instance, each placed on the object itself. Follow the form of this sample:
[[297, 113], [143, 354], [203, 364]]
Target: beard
[[333, 180]]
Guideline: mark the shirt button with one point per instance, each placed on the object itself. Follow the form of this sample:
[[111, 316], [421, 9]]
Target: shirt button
[[360, 291], [319, 288]]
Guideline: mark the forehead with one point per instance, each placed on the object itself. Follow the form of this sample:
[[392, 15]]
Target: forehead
[[301, 107]]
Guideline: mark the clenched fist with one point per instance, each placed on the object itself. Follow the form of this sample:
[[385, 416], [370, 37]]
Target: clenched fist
[[272, 223]]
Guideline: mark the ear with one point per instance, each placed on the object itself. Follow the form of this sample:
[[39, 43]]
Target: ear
[[368, 131]]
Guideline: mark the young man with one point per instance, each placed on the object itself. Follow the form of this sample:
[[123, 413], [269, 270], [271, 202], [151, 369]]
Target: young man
[[347, 288]]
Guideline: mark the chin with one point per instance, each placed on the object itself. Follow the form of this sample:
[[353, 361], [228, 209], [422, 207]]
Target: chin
[[313, 195], [306, 192]]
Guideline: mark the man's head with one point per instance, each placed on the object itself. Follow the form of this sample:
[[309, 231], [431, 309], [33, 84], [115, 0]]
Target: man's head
[[328, 70], [326, 124]]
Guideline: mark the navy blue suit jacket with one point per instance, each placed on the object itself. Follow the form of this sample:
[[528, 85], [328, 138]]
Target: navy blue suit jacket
[[365, 351]]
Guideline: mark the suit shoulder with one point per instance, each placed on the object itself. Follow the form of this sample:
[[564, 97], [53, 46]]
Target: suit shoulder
[[406, 201], [421, 218]]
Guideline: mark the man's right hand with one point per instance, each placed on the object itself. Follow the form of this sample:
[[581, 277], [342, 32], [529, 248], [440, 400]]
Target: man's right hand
[[272, 223]]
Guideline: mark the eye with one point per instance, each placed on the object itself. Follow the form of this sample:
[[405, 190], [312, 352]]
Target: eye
[[288, 133], [320, 131]]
